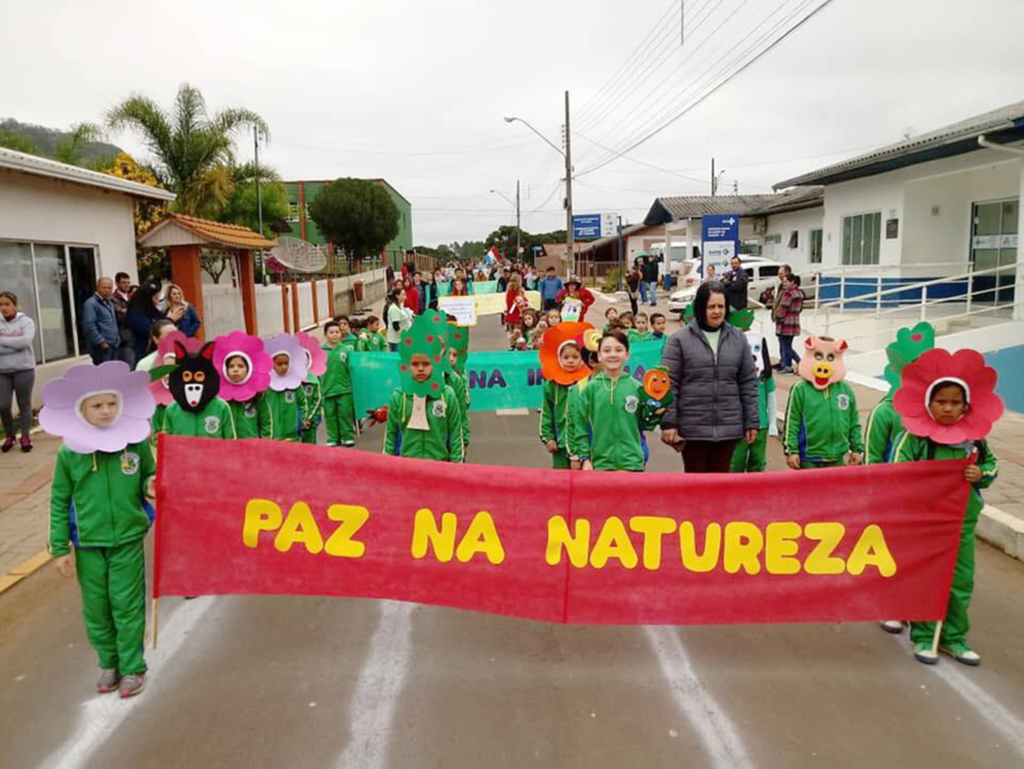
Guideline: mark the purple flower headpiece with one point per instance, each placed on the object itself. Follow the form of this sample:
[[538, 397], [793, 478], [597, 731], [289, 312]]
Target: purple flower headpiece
[[289, 345], [61, 414], [251, 349]]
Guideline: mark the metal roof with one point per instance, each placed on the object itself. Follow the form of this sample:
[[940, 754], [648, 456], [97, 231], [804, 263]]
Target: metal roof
[[628, 230], [670, 209], [1003, 124], [37, 166]]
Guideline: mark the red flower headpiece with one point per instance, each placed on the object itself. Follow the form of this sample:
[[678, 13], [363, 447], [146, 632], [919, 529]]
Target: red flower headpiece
[[554, 339], [967, 368]]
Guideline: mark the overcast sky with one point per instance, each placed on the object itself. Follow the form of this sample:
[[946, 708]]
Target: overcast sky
[[414, 90]]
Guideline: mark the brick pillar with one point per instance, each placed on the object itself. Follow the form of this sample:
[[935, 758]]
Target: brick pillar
[[316, 303], [330, 298], [285, 309], [247, 286], [186, 272], [296, 328]]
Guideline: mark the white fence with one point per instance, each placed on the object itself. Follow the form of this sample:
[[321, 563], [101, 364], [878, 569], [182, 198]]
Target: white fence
[[222, 309]]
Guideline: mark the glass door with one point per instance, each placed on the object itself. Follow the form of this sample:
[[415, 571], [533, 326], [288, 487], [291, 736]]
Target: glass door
[[994, 247]]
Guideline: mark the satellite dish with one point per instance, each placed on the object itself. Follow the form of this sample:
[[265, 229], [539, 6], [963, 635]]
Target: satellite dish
[[300, 255]]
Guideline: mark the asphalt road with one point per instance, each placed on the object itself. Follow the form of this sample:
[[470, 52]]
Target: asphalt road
[[323, 682]]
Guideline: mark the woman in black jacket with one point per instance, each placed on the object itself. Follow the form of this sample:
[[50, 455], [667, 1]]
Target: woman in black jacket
[[714, 384]]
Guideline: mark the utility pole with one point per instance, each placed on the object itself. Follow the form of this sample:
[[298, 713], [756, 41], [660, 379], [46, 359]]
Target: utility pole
[[714, 182], [259, 197], [519, 229], [570, 246]]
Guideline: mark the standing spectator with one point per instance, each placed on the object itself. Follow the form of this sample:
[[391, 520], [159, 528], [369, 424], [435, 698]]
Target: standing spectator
[[412, 296], [143, 312], [100, 323], [709, 275], [181, 312], [397, 318], [515, 302], [780, 291], [714, 383], [389, 275], [788, 324], [573, 299], [638, 264], [633, 281], [122, 293], [428, 292], [17, 369], [735, 282], [650, 276], [503, 280], [550, 287], [460, 274], [530, 279]]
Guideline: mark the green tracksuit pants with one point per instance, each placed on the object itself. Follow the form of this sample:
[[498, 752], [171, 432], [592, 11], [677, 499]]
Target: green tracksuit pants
[[956, 624], [339, 415], [113, 582], [560, 460], [750, 458], [819, 465]]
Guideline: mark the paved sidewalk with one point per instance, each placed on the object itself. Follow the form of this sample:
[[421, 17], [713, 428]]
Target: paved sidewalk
[[25, 502]]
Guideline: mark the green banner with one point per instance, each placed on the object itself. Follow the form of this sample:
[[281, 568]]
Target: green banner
[[497, 380], [475, 287]]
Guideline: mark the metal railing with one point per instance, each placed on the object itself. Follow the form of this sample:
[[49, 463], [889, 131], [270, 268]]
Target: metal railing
[[974, 299]]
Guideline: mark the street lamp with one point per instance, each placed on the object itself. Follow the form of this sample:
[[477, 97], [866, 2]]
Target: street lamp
[[567, 154]]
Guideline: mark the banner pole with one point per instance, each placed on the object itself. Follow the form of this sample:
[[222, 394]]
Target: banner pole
[[935, 638], [155, 620]]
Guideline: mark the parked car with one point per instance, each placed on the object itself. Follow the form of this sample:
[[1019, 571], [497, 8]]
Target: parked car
[[763, 274]]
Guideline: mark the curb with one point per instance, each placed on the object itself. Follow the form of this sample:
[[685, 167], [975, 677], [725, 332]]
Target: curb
[[1002, 530], [25, 569]]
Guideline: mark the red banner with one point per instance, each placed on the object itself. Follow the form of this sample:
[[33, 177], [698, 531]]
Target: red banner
[[849, 544]]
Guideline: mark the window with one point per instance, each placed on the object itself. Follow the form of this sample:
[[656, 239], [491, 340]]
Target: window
[[773, 239], [293, 212], [861, 238], [816, 239], [794, 239], [994, 249], [768, 272], [51, 282]]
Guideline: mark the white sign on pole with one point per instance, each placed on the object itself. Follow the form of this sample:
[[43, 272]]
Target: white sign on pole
[[463, 308], [609, 225], [718, 253]]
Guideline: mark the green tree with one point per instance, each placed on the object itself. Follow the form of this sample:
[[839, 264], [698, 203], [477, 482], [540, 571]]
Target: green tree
[[243, 205], [193, 151], [357, 215], [71, 149], [16, 141]]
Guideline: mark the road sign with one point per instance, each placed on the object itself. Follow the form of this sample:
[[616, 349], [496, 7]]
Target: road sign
[[720, 236], [609, 224], [586, 226]]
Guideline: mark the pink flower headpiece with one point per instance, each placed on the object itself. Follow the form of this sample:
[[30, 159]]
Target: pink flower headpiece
[[251, 349], [966, 368], [165, 356], [316, 358], [62, 402], [289, 345]]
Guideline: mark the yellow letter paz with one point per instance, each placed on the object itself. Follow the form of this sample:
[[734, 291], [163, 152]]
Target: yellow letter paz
[[737, 547], [300, 527]]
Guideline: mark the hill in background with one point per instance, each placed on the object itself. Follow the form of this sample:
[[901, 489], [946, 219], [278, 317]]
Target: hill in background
[[45, 141]]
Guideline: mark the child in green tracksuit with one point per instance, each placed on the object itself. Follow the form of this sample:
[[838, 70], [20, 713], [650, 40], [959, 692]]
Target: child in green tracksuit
[[750, 458], [336, 384], [884, 425], [822, 427], [98, 505], [312, 408], [212, 421], [555, 411], [608, 413], [641, 331], [281, 411], [371, 340], [197, 410], [947, 404], [457, 382], [424, 416]]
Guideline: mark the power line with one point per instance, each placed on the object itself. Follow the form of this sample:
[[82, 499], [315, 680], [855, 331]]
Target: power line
[[672, 119], [427, 153]]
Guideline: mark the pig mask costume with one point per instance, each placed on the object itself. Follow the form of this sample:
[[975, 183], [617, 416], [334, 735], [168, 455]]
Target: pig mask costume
[[823, 364]]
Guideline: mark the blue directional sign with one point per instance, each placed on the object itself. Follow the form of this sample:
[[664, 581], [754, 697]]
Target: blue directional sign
[[720, 236], [586, 226]]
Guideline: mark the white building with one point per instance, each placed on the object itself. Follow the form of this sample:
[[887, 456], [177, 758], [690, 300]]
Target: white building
[[61, 228], [940, 205]]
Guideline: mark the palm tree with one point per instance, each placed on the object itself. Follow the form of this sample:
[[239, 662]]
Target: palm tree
[[71, 149], [193, 152]]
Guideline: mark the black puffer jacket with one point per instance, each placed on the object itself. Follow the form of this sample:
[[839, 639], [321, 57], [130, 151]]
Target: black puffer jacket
[[714, 400]]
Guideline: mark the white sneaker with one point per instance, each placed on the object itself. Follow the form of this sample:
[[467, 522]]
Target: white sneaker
[[923, 652], [893, 626], [962, 653]]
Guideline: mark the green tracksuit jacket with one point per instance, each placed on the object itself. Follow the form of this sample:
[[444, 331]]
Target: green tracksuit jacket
[[442, 442], [884, 424], [373, 343], [245, 417], [214, 421], [554, 421], [312, 408], [607, 417], [337, 380], [458, 384], [98, 500], [281, 414], [911, 448], [822, 425]]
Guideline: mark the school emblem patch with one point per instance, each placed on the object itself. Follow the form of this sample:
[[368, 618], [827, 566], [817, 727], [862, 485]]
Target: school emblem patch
[[129, 463], [212, 425], [249, 410], [343, 356], [632, 402], [439, 408], [843, 401], [289, 397]]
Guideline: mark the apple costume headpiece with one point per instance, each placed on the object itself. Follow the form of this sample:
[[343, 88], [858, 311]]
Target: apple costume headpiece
[[556, 338], [61, 414], [251, 350], [966, 368]]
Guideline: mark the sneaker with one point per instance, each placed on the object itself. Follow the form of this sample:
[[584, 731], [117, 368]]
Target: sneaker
[[923, 652], [348, 444], [962, 653], [8, 444], [26, 444], [109, 679], [132, 685], [893, 626]]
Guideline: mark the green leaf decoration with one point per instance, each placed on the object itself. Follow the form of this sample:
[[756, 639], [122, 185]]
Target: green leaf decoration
[[910, 344], [741, 319], [159, 372]]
